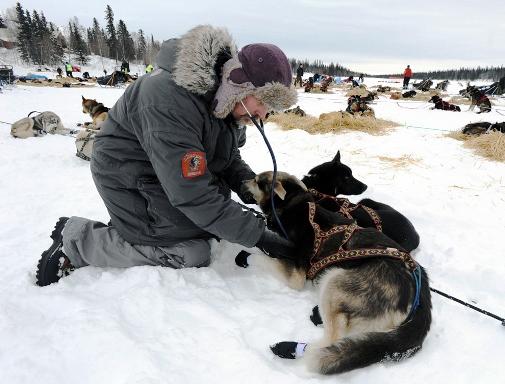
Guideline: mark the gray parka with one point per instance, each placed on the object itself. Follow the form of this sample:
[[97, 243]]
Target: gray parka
[[138, 154]]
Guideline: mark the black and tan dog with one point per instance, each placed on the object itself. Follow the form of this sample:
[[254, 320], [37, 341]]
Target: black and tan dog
[[478, 98], [483, 127], [97, 111], [374, 300], [408, 94], [381, 89], [308, 85], [443, 105], [326, 83], [335, 178], [357, 105]]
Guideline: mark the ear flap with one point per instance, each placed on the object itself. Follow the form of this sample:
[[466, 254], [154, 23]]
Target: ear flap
[[279, 190], [336, 159], [83, 98]]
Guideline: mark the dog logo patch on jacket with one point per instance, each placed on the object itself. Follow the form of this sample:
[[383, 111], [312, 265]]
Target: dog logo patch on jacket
[[193, 164]]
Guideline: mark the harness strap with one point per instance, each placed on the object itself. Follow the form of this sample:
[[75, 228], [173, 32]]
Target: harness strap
[[358, 254], [346, 207], [85, 140], [320, 236], [98, 109]]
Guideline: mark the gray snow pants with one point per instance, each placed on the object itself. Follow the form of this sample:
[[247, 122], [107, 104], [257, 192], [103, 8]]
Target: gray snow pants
[[88, 242]]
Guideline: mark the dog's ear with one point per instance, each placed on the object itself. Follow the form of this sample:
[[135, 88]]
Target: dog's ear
[[279, 190], [336, 159], [83, 99]]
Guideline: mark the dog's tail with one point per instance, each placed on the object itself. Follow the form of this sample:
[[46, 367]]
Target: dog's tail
[[359, 351]]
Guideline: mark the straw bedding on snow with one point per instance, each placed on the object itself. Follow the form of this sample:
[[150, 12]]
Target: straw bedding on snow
[[400, 162], [425, 96], [458, 135], [460, 100], [333, 122], [58, 83], [490, 145], [359, 91]]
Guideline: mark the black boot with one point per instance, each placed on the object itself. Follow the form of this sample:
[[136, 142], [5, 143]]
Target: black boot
[[54, 264]]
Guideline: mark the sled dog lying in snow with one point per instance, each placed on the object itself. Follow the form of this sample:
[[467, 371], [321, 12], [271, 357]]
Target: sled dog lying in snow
[[97, 111], [334, 178], [359, 105], [443, 105], [483, 127], [374, 306]]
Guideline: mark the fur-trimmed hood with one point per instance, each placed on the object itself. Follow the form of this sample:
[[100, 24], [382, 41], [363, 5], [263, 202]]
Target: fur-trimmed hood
[[205, 62], [196, 59]]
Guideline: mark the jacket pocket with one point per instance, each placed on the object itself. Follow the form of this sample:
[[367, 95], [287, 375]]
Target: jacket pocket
[[162, 216]]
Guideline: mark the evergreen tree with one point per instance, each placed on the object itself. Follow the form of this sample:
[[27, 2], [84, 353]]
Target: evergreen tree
[[142, 47], [112, 42], [37, 37], [126, 50], [57, 52], [24, 34], [78, 45]]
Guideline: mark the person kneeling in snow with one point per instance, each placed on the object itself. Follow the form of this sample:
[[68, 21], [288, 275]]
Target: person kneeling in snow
[[166, 159]]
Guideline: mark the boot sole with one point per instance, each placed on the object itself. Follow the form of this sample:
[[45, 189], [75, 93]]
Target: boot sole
[[42, 265]]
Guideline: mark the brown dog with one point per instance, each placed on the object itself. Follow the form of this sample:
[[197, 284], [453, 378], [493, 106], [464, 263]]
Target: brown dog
[[97, 111]]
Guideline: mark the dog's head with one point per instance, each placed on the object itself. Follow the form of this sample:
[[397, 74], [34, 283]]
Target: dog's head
[[434, 99], [334, 178], [285, 186], [88, 104]]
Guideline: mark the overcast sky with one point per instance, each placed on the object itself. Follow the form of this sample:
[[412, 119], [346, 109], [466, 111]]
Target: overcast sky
[[373, 36]]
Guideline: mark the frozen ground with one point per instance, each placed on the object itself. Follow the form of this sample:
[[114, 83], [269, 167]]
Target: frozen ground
[[214, 325]]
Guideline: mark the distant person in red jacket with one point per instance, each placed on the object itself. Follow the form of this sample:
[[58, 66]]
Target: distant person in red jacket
[[407, 74]]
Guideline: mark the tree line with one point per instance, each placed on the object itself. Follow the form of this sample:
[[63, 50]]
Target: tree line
[[41, 42], [317, 66], [479, 73]]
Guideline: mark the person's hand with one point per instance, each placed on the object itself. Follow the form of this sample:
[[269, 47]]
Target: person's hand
[[241, 259], [275, 245]]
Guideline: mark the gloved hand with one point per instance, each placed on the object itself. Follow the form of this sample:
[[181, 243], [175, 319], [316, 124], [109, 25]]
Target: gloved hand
[[241, 259], [275, 245], [246, 196]]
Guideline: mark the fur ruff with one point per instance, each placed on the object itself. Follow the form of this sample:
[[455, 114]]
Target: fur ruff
[[198, 52]]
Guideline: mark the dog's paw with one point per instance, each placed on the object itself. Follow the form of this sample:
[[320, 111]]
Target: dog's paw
[[316, 316], [241, 259], [285, 349]]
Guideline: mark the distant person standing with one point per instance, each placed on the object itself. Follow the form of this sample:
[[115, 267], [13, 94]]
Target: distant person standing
[[68, 69], [407, 74], [125, 67], [299, 74], [361, 78], [59, 71]]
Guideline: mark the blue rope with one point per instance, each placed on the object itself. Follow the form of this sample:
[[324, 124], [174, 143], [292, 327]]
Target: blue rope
[[416, 274]]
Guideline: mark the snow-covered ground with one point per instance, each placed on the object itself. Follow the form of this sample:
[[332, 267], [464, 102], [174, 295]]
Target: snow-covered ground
[[214, 325]]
